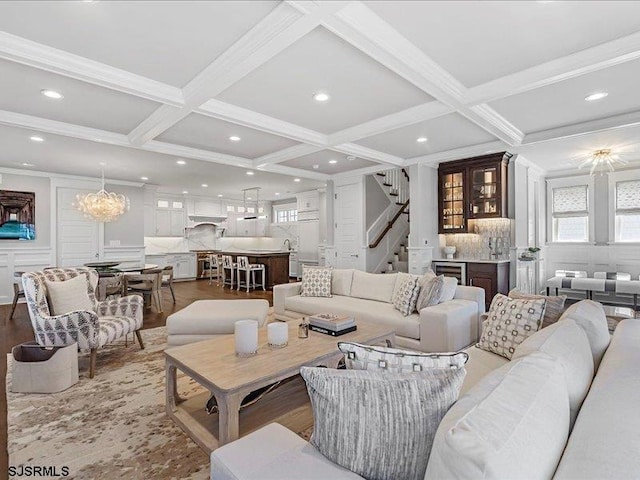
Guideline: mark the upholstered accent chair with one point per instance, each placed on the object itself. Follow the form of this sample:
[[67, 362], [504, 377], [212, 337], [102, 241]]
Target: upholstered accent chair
[[90, 329]]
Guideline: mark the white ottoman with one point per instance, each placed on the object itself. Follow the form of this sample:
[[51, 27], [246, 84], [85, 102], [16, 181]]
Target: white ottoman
[[205, 318]]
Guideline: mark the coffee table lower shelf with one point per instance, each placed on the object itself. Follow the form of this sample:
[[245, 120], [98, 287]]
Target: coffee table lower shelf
[[288, 405]]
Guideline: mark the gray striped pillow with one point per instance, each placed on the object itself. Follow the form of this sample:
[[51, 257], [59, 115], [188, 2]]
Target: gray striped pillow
[[379, 425]]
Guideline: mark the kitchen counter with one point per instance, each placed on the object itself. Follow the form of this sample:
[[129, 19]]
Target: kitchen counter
[[276, 263], [470, 260]]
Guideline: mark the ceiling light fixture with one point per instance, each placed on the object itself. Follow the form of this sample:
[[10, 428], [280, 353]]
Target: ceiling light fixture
[[596, 96], [102, 206], [25, 164], [52, 94], [333, 162], [234, 138], [219, 195], [36, 138], [351, 158], [181, 162], [316, 166], [250, 173], [421, 139], [144, 178], [184, 192], [296, 179], [204, 185], [321, 97], [602, 160], [277, 193]]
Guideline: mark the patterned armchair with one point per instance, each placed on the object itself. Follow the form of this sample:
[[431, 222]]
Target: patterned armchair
[[91, 329]]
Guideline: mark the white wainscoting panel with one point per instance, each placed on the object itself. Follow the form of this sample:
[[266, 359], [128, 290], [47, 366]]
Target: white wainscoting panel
[[20, 259]]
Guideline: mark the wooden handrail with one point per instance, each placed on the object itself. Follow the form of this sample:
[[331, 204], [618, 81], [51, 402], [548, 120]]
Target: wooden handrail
[[406, 174], [389, 225]]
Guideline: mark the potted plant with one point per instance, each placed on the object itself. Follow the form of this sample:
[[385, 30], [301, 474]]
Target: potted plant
[[530, 254]]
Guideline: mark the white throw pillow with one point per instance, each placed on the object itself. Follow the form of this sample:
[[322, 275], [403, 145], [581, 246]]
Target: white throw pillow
[[316, 282], [431, 286], [568, 344], [373, 286], [406, 297], [513, 424], [341, 279], [448, 289], [67, 296], [589, 316]]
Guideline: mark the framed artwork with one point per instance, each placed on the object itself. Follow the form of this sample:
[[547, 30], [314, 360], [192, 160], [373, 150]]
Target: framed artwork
[[17, 215]]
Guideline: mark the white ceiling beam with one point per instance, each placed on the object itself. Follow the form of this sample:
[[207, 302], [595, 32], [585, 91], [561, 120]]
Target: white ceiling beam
[[249, 118], [286, 154], [624, 120], [360, 171], [590, 60], [43, 57], [368, 154], [361, 27], [196, 154], [294, 172], [404, 118], [433, 159]]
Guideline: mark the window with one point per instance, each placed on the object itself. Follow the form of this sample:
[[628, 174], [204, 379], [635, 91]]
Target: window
[[570, 213], [627, 211], [163, 203], [176, 204], [231, 208], [285, 214]]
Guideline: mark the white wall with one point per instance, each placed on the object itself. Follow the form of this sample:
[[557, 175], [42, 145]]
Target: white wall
[[423, 208], [129, 228], [376, 201]]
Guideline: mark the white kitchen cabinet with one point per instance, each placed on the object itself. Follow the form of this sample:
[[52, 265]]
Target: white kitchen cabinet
[[169, 223], [308, 240], [208, 208], [184, 265], [308, 201]]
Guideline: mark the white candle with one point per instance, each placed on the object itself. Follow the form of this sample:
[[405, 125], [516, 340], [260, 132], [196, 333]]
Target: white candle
[[246, 337], [278, 334]]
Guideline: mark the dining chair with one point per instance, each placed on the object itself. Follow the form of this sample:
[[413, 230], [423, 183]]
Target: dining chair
[[18, 292], [148, 284], [110, 286], [249, 270], [167, 280], [228, 265]]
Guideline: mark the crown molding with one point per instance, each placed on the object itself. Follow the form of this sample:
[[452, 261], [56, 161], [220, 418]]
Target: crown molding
[[434, 159], [43, 173], [248, 118], [404, 118], [43, 57], [496, 124], [294, 172], [368, 154], [196, 153]]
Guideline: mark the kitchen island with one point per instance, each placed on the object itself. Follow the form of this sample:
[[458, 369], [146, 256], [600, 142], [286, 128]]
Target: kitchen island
[[276, 263]]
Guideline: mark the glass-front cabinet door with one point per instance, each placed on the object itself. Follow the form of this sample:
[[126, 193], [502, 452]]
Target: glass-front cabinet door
[[485, 192], [452, 202]]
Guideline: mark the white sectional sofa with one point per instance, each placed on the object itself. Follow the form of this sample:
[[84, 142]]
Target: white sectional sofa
[[448, 326], [536, 416]]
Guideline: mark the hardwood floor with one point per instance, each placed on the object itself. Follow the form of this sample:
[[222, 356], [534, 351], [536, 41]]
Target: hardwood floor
[[18, 330]]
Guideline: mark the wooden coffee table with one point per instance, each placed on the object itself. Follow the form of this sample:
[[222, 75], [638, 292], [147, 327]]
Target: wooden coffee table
[[214, 365]]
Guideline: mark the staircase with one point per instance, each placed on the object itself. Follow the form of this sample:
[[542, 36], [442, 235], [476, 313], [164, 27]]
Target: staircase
[[387, 237]]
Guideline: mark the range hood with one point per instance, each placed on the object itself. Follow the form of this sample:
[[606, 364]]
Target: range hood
[[207, 219]]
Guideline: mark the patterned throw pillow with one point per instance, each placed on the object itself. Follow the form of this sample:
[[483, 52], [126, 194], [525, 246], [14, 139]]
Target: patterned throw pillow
[[406, 296], [376, 424], [316, 282], [367, 357], [431, 286], [509, 323], [552, 310]]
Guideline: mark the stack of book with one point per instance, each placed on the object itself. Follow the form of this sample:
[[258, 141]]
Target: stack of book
[[331, 324]]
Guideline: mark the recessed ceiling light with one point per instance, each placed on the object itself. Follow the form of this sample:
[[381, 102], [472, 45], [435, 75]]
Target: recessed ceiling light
[[204, 185], [184, 192], [316, 166], [144, 178], [52, 94], [296, 179], [249, 198], [181, 162], [234, 138], [333, 162], [277, 193], [219, 195], [321, 97], [351, 158], [421, 139], [596, 96], [35, 138], [250, 173], [25, 164]]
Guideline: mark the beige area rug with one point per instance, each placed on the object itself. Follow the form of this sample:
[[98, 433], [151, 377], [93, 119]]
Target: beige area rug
[[110, 427]]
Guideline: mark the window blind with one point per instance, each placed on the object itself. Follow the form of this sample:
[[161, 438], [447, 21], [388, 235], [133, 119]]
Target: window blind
[[628, 197], [571, 201]]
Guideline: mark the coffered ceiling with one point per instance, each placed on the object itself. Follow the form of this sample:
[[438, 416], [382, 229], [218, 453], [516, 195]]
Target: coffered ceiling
[[154, 82]]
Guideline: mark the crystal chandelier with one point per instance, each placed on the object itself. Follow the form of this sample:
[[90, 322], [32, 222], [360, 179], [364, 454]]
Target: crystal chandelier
[[602, 160], [102, 206]]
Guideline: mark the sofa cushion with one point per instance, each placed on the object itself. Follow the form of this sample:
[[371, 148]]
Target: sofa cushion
[[341, 279], [316, 281], [373, 286], [509, 322], [589, 316], [605, 438], [448, 289], [405, 296], [276, 453], [568, 344], [431, 286], [481, 363], [552, 310], [402, 412], [362, 310], [513, 424]]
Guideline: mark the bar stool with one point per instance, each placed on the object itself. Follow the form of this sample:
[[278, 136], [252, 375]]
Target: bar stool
[[249, 270], [228, 265], [215, 264], [17, 291]]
